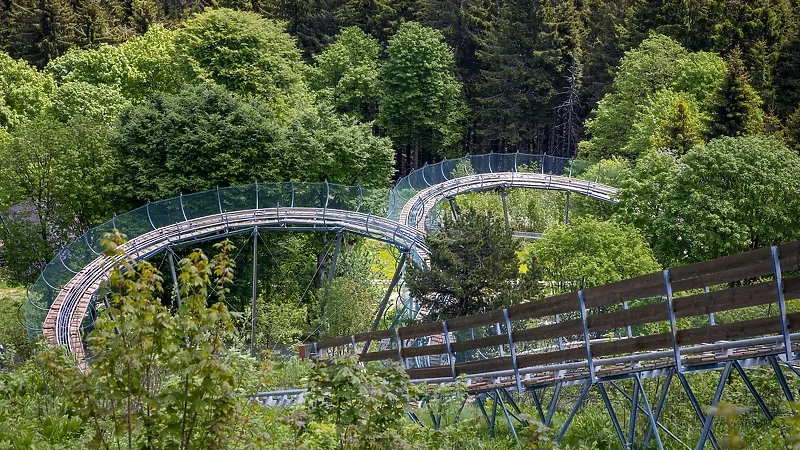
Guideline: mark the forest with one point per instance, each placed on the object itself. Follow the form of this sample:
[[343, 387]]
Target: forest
[[690, 109]]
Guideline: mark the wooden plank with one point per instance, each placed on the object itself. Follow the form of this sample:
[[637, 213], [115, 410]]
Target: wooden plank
[[733, 298], [429, 372], [335, 342], [471, 344], [789, 256], [420, 330], [554, 357], [374, 335], [476, 320], [654, 312], [758, 269], [485, 365], [552, 331], [638, 344], [560, 304], [379, 356], [649, 285], [426, 350], [726, 263], [730, 331]]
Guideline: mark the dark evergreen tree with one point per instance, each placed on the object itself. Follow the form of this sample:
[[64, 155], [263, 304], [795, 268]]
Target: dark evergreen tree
[[40, 30], [474, 267], [737, 111], [527, 51], [312, 22]]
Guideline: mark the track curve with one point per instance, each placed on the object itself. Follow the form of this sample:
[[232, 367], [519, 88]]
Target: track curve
[[62, 324], [416, 212]]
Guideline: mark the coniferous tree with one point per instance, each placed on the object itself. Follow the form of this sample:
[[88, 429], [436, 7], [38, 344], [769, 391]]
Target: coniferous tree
[[737, 111], [40, 30], [526, 53]]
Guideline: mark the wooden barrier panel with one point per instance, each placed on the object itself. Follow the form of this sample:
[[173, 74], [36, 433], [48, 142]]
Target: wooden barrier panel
[[604, 312]]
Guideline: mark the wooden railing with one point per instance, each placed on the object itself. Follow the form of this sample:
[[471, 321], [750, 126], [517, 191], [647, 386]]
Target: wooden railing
[[668, 299]]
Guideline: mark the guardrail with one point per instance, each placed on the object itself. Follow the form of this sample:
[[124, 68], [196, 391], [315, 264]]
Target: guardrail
[[579, 335]]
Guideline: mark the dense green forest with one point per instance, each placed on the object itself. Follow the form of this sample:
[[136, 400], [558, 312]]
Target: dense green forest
[[690, 107]]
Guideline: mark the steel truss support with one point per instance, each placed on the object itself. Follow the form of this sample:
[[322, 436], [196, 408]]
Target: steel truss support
[[723, 379], [497, 396], [398, 272], [505, 208], [646, 411], [453, 209], [255, 293], [171, 257]]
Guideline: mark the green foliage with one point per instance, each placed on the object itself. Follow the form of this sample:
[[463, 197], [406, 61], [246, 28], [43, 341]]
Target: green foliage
[[367, 409], [612, 172], [107, 65], [198, 139], [322, 145], [473, 268], [24, 92], [99, 103], [346, 74], [246, 54], [589, 252], [420, 102], [659, 63], [732, 195]]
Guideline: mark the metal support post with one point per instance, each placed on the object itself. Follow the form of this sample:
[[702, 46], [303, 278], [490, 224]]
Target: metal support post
[[560, 340], [773, 361], [653, 422], [629, 333], [538, 404], [711, 321], [332, 268], [170, 256], [255, 293], [586, 342], [566, 210], [382, 307], [644, 411], [498, 332], [578, 404], [659, 406], [612, 414], [551, 409], [449, 350], [453, 209], [512, 349], [499, 400], [776, 264], [676, 351], [696, 406], [634, 414], [505, 207], [717, 396], [481, 406], [753, 391]]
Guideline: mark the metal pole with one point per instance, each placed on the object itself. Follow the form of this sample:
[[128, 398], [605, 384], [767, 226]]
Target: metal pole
[[566, 212], [717, 396], [634, 414], [711, 321], [505, 207], [753, 391], [676, 351], [382, 307], [776, 263], [649, 412], [696, 406], [453, 209], [332, 269], [581, 399], [781, 378], [512, 349], [170, 256], [659, 406], [551, 409], [450, 356], [255, 293], [612, 414], [589, 361]]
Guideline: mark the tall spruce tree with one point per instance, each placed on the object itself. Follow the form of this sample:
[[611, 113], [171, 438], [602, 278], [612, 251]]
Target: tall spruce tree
[[526, 52], [738, 110]]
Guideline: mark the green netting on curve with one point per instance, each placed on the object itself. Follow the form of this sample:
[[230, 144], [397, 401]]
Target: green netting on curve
[[163, 213], [449, 169], [83, 250]]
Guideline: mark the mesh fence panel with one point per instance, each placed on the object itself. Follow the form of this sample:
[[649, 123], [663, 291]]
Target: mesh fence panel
[[377, 202]]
